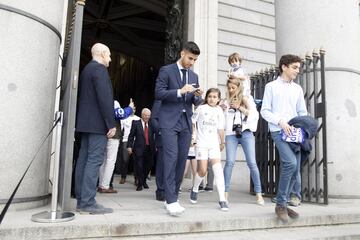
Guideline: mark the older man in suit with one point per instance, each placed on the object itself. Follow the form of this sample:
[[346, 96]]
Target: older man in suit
[[178, 89], [95, 122], [141, 142]]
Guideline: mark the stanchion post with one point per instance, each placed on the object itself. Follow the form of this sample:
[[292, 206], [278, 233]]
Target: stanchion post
[[54, 196], [54, 215]]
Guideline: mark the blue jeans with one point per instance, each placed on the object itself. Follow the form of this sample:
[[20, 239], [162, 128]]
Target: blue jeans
[[247, 142], [295, 184], [289, 168], [91, 156]]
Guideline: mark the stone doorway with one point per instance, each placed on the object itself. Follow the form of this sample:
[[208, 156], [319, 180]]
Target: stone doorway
[[138, 33]]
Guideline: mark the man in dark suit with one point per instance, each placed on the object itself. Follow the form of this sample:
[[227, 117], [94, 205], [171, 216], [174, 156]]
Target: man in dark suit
[[141, 142], [95, 122], [178, 89], [160, 191]]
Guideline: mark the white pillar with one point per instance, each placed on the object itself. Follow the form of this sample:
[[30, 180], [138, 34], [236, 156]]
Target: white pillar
[[29, 61], [202, 29], [301, 26]]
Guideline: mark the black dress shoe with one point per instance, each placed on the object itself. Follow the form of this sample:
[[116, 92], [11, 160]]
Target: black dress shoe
[[145, 185], [160, 197], [136, 181], [139, 188]]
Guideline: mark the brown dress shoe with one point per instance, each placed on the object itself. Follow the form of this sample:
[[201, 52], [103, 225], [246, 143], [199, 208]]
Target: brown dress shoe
[[103, 190], [122, 181], [281, 213], [292, 214]]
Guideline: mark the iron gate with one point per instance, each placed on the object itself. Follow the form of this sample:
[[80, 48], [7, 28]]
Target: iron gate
[[314, 168]]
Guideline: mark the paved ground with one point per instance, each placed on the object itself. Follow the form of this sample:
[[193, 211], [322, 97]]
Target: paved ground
[[138, 214]]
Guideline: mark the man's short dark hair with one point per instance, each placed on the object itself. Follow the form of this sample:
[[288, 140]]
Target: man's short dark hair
[[192, 48], [287, 60]]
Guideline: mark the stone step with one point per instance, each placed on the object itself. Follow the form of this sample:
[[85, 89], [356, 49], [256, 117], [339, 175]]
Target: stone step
[[335, 232], [156, 222], [137, 214]]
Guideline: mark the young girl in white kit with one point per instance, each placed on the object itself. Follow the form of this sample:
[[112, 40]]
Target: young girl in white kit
[[209, 122]]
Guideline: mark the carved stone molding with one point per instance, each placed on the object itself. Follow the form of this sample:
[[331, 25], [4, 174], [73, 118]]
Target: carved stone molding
[[174, 30]]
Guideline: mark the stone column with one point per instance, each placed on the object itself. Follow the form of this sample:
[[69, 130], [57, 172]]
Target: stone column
[[202, 28], [30, 40], [304, 25]]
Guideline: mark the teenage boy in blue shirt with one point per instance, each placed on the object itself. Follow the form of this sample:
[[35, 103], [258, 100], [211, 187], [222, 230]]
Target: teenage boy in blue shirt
[[284, 100]]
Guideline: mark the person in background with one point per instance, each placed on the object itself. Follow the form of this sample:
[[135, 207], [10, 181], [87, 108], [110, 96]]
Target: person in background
[[124, 163], [107, 168], [236, 70], [160, 189], [141, 142], [96, 124], [191, 161]]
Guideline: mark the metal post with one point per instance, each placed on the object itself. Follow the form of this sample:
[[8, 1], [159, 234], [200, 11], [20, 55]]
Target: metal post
[[323, 102], [54, 215]]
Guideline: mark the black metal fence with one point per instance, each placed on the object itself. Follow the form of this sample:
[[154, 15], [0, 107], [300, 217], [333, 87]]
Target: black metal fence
[[314, 168]]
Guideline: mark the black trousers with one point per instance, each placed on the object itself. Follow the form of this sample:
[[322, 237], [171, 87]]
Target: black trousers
[[143, 165], [124, 164]]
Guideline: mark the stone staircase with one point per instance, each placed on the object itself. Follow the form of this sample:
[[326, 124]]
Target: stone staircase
[[138, 215]]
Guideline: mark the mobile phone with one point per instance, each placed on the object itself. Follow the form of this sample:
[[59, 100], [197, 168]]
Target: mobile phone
[[196, 90]]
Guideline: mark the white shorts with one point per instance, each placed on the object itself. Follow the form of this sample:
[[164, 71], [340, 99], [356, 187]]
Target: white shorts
[[204, 153]]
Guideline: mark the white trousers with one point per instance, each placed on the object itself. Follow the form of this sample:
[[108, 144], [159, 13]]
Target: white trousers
[[107, 168]]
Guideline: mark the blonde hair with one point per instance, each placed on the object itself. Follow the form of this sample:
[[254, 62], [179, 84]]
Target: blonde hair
[[238, 96]]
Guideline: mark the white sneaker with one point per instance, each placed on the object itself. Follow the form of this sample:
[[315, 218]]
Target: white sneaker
[[181, 207], [259, 199], [174, 209], [165, 204]]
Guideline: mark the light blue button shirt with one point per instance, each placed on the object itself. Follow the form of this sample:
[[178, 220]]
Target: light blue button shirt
[[282, 100]]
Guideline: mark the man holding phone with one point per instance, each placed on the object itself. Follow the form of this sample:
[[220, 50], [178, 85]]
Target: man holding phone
[[177, 87]]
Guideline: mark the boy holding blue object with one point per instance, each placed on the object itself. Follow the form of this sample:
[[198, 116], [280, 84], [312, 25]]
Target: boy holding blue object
[[284, 100]]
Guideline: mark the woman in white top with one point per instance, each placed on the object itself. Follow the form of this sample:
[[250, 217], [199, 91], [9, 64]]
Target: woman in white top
[[241, 119], [209, 121]]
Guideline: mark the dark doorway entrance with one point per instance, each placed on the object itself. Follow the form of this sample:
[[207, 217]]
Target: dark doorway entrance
[[134, 30], [141, 34]]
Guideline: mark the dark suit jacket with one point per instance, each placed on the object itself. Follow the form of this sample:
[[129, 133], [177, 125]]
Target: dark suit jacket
[[136, 139], [155, 111], [167, 84], [95, 109]]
